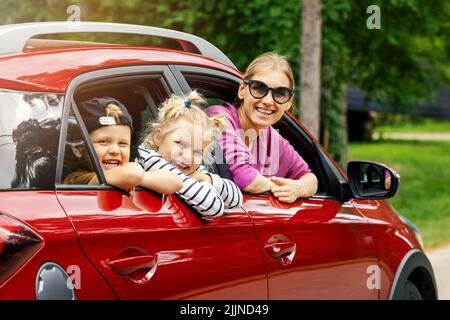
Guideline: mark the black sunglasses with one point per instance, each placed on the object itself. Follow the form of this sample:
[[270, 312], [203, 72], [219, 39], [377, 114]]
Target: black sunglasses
[[259, 90]]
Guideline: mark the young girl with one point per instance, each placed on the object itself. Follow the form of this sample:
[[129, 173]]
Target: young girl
[[109, 125], [177, 141]]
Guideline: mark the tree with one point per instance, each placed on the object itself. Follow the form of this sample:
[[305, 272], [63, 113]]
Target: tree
[[399, 64], [310, 65]]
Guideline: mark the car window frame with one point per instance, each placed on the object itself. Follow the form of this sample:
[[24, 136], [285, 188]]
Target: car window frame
[[332, 179], [100, 77]]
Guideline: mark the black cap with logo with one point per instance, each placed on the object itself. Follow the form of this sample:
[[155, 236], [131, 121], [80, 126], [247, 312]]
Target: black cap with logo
[[105, 111]]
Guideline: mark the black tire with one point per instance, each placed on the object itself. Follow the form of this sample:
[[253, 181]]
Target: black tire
[[409, 292]]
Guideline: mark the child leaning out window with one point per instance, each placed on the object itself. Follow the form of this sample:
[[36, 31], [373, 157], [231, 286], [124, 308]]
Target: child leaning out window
[[109, 125], [177, 142]]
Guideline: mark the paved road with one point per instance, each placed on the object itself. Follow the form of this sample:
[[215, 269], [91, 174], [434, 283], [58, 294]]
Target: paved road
[[440, 260]]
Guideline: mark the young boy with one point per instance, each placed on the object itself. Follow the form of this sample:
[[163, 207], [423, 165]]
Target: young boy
[[109, 125]]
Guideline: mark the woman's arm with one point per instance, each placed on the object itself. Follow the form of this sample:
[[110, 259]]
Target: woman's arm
[[260, 184]]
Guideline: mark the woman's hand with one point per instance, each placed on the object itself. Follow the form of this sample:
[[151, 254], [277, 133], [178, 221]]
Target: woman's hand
[[288, 190]]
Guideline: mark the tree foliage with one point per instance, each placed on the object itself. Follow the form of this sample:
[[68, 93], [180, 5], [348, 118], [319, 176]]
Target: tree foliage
[[399, 64]]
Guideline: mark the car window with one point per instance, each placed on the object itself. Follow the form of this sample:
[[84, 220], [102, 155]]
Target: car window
[[29, 135], [217, 90], [141, 96], [78, 167]]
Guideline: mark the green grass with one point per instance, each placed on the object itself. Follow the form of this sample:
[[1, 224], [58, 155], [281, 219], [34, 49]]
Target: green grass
[[424, 194], [402, 123]]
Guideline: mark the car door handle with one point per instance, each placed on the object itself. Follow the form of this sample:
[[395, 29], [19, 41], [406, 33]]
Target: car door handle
[[136, 263], [280, 249], [127, 266]]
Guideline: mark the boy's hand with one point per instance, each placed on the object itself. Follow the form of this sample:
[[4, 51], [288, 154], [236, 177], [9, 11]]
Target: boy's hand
[[136, 171], [136, 167], [125, 176]]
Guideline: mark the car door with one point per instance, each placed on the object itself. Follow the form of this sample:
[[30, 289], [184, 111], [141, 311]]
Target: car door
[[149, 246], [316, 248]]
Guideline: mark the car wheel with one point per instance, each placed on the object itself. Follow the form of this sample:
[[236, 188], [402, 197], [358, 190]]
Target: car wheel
[[409, 292]]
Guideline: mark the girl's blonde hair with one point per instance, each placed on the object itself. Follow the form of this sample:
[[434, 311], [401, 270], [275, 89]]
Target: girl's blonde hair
[[267, 62], [184, 108]]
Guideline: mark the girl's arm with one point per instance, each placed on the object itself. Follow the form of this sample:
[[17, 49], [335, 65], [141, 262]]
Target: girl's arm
[[162, 181], [201, 196], [227, 189]]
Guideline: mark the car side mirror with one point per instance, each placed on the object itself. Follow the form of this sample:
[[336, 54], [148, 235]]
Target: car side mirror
[[371, 180]]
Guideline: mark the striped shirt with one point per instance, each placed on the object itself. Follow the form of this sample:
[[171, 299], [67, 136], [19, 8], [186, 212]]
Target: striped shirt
[[210, 201]]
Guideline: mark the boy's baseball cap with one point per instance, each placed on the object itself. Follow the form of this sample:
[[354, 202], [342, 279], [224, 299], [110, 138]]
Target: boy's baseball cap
[[94, 114]]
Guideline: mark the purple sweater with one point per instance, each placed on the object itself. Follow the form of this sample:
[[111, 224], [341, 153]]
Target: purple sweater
[[271, 154]]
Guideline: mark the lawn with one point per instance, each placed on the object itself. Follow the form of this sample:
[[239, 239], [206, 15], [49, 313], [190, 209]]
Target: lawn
[[403, 123], [424, 194]]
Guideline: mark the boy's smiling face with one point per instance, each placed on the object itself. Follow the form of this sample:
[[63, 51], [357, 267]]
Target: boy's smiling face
[[183, 146], [112, 145]]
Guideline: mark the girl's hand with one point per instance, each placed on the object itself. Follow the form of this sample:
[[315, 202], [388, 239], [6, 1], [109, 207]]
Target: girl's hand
[[201, 176], [288, 190]]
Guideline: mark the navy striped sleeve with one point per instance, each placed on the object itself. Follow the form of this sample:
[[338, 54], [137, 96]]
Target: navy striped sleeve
[[228, 191], [201, 196]]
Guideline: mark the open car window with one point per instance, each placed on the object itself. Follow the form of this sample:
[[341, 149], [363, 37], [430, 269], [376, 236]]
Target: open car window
[[140, 94], [218, 88], [78, 167]]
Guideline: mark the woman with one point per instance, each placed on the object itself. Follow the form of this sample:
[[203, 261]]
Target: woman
[[259, 159]]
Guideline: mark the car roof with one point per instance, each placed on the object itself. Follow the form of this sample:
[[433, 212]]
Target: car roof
[[51, 69]]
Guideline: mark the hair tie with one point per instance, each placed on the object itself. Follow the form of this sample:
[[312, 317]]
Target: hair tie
[[187, 103]]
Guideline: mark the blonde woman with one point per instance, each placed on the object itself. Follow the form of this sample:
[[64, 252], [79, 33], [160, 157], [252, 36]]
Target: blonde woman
[[259, 159], [177, 142]]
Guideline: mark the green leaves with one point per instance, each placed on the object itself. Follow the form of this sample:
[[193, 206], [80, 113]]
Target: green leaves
[[398, 65]]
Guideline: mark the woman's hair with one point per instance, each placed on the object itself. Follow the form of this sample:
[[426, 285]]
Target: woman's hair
[[268, 61], [184, 108]]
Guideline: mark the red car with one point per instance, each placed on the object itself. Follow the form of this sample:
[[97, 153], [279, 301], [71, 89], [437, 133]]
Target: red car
[[60, 241]]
